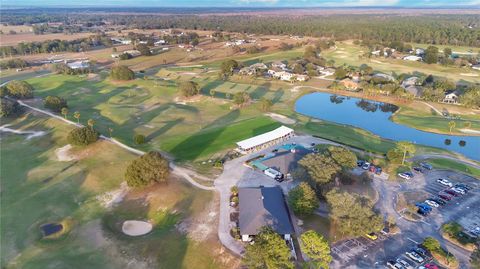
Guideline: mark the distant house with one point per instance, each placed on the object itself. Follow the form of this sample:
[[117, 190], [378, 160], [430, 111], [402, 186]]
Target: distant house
[[79, 65], [301, 77], [160, 42], [451, 97], [355, 77], [133, 53], [476, 66], [286, 76], [279, 64], [384, 76], [350, 84], [263, 207], [419, 51], [411, 81], [412, 58], [253, 69], [327, 71]]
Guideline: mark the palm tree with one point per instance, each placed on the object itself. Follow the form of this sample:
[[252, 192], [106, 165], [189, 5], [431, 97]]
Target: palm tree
[[76, 115], [64, 112], [212, 93], [90, 123], [451, 125]]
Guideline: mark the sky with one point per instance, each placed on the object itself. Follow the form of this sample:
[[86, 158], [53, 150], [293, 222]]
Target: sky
[[243, 3]]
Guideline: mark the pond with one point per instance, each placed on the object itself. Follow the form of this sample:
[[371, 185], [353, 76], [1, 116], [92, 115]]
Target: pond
[[375, 117]]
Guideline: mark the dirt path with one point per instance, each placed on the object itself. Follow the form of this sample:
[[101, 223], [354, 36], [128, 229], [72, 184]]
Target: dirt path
[[30, 134], [432, 107]]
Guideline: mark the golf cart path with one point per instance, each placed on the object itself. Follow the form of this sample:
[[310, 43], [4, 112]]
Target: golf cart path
[[182, 172]]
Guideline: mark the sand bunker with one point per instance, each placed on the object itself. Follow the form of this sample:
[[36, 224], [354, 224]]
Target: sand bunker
[[136, 227], [469, 74], [30, 134], [470, 131], [63, 154]]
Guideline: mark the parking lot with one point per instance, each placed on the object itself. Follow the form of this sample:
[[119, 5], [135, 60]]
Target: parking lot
[[349, 249]]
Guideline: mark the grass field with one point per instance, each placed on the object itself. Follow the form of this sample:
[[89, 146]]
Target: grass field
[[347, 53], [453, 165], [37, 188]]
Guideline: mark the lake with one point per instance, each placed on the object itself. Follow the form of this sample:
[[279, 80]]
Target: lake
[[375, 117]]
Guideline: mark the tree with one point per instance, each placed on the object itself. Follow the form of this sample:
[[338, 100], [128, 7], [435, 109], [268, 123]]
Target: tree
[[303, 199], [241, 98], [76, 115], [343, 157], [227, 67], [298, 69], [353, 214], [54, 103], [121, 72], [212, 93], [151, 167], [447, 52], [310, 52], [91, 122], [64, 112], [407, 148], [82, 136], [268, 252], [471, 98], [265, 104], [475, 258], [139, 139], [431, 55], [316, 247], [451, 125], [431, 244], [189, 88], [8, 107], [340, 73], [19, 89], [144, 49], [467, 124]]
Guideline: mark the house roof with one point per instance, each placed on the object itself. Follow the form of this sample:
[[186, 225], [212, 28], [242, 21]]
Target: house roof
[[261, 207], [286, 161], [265, 137]]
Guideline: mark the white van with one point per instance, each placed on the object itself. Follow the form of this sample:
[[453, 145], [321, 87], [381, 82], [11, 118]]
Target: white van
[[274, 174]]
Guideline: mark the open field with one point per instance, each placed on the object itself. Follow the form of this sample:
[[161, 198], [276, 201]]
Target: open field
[[12, 40], [17, 28], [45, 189], [347, 53]]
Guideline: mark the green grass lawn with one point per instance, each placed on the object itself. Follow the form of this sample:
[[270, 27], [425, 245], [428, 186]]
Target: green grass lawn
[[37, 189], [453, 165], [432, 123]]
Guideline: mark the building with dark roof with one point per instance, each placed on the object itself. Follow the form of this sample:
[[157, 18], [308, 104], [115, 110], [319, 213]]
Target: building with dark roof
[[260, 207]]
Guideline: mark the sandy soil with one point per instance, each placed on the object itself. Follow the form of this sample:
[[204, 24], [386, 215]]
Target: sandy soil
[[136, 227], [63, 154], [200, 228], [281, 118], [112, 198], [469, 74]]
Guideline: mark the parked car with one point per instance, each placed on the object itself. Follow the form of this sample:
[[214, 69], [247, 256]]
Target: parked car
[[452, 192], [410, 174], [426, 165], [417, 169], [463, 186], [372, 168], [404, 263], [360, 163], [372, 236], [422, 212], [414, 256], [404, 175], [394, 265], [438, 201], [445, 182], [378, 170], [445, 196], [431, 266], [366, 165], [431, 203], [458, 190], [460, 187], [420, 251], [424, 206]]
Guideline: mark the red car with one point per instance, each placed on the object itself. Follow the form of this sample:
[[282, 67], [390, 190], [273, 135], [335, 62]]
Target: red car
[[431, 266], [445, 197], [452, 192]]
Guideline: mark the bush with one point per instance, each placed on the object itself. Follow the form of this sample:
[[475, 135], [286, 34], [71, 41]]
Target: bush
[[19, 89], [8, 107], [13, 63], [82, 136], [122, 72], [303, 199], [125, 56], [189, 88], [151, 167], [139, 139], [54, 103]]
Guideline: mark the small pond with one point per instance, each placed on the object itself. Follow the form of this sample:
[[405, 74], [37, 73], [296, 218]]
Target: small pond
[[51, 228], [375, 117]]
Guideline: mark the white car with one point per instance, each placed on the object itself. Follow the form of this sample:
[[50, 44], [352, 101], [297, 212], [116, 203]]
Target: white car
[[403, 175], [458, 190], [366, 165], [394, 265], [431, 203], [414, 256], [445, 182], [404, 263]]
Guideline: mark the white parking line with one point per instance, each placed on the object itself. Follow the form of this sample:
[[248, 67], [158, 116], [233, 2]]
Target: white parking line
[[413, 240]]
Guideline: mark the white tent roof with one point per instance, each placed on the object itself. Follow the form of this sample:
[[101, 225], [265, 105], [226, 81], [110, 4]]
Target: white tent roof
[[264, 138]]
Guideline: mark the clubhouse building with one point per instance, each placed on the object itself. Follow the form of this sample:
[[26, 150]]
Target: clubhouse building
[[265, 140]]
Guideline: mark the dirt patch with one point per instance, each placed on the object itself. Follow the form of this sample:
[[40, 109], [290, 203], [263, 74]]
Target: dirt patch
[[201, 227], [469, 74], [281, 118], [112, 198], [82, 91], [406, 203], [136, 227], [63, 154]]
